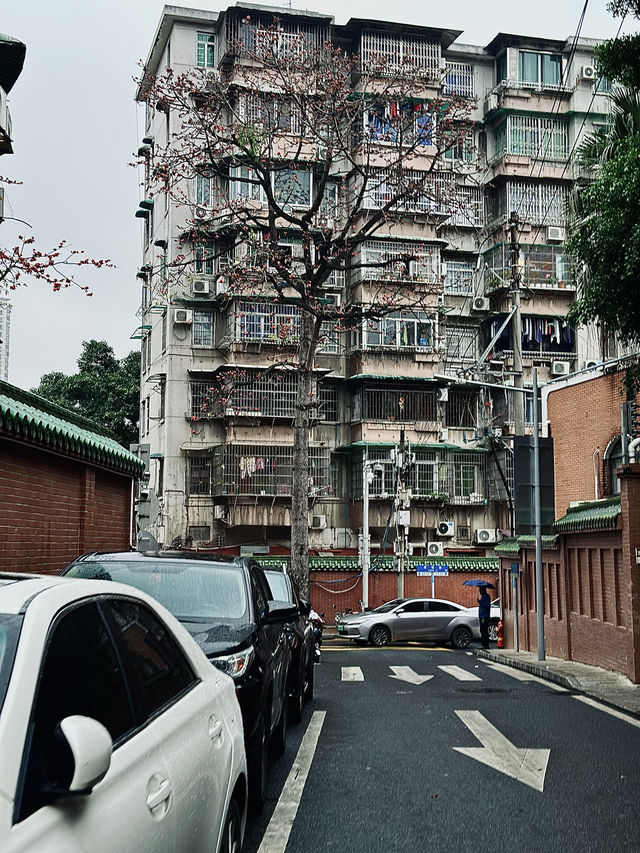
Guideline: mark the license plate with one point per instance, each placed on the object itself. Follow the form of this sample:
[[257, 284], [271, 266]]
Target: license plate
[[340, 628]]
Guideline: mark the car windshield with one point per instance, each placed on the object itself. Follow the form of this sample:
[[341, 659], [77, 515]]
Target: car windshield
[[385, 608], [278, 586], [10, 624], [189, 589]]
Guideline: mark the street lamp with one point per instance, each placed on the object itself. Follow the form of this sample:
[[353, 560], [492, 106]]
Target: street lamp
[[369, 469]]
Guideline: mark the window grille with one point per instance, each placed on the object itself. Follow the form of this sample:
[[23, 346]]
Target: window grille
[[267, 321], [461, 409], [541, 204], [386, 256], [400, 330], [397, 404], [293, 40], [467, 207], [458, 80], [327, 402], [546, 267], [271, 394], [399, 123], [204, 396], [200, 533], [202, 329], [329, 338], [543, 138], [389, 54], [276, 112], [263, 469], [459, 276], [461, 343], [199, 475], [415, 191]]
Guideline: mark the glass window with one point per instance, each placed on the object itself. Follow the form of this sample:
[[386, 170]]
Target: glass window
[[199, 475], [81, 674], [202, 329], [413, 607], [442, 607], [203, 189], [9, 632], [293, 187], [205, 50], [157, 668], [528, 67]]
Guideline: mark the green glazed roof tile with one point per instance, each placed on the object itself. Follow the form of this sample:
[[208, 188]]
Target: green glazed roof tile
[[590, 515], [35, 420]]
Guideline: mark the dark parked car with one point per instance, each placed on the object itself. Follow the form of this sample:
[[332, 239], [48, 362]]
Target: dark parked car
[[300, 632], [226, 605]]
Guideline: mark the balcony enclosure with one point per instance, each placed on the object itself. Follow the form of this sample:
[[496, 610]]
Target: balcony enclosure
[[258, 37], [275, 323], [541, 138], [535, 202], [439, 474], [263, 469], [552, 337], [544, 267], [391, 402], [459, 276], [408, 330], [384, 260], [458, 80], [391, 54], [461, 343]]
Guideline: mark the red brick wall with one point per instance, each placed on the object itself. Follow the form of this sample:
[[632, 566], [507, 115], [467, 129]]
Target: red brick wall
[[583, 417], [337, 591], [54, 509]]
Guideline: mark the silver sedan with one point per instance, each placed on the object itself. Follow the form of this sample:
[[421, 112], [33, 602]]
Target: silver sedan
[[432, 619]]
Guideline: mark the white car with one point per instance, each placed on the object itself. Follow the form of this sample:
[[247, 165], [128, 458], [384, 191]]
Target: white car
[[116, 733]]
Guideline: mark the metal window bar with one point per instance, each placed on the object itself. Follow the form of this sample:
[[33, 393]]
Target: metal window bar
[[276, 112], [202, 329], [461, 343], [267, 322], [327, 402], [262, 469], [425, 267], [264, 395], [392, 54], [458, 80], [199, 470], [427, 192], [204, 396], [542, 204], [543, 138], [467, 206], [459, 277], [397, 404], [461, 409]]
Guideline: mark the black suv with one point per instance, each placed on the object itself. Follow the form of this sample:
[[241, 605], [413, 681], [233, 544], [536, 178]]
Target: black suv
[[300, 632], [227, 606]]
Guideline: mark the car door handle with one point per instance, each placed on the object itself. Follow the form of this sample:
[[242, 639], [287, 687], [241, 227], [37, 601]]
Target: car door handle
[[215, 729], [160, 796]]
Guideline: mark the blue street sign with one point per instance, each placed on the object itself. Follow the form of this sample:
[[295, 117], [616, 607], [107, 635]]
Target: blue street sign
[[423, 569], [515, 569]]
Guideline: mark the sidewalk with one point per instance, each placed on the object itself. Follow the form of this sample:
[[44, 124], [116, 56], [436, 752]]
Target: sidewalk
[[610, 688]]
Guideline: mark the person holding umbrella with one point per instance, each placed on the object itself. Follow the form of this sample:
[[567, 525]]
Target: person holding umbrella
[[484, 612]]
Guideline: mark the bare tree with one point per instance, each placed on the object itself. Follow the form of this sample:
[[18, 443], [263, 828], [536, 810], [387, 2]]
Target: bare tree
[[305, 141]]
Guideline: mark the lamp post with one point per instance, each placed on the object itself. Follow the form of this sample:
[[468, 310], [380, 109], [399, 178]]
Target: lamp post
[[369, 468]]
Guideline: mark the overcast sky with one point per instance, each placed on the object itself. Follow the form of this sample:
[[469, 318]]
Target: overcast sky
[[76, 126]]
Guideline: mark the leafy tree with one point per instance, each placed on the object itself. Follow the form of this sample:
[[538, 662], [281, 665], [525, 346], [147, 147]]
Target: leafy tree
[[105, 390], [618, 59], [238, 164]]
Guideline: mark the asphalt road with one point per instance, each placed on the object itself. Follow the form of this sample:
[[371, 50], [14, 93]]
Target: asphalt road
[[381, 766]]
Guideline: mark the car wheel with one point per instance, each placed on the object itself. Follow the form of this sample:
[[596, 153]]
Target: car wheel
[[493, 632], [308, 694], [258, 767], [279, 737], [232, 833], [380, 636], [461, 637]]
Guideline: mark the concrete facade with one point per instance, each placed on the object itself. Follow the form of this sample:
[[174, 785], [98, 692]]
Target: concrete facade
[[224, 477]]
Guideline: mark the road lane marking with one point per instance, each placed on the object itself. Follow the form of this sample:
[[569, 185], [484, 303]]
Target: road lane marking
[[528, 766], [326, 647], [620, 715], [277, 833], [521, 675], [405, 673], [352, 673], [460, 673]]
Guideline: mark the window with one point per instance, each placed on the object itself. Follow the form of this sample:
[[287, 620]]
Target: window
[[458, 80], [614, 458], [200, 533], [397, 404], [412, 607], [459, 276], [442, 607], [460, 409], [81, 674], [533, 137], [162, 390], [203, 189], [205, 258], [292, 187], [143, 417], [265, 321], [391, 54], [164, 330], [203, 399], [540, 69], [202, 329], [400, 330], [199, 475], [157, 669], [460, 343], [205, 50]]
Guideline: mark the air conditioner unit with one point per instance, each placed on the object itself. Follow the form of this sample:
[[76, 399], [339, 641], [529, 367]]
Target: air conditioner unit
[[441, 299], [435, 549], [443, 270], [182, 317], [200, 213], [485, 536], [560, 368], [443, 435], [443, 395], [219, 512], [318, 522], [589, 364], [588, 72], [446, 528], [480, 303], [555, 234], [491, 103], [222, 285], [443, 63], [200, 286]]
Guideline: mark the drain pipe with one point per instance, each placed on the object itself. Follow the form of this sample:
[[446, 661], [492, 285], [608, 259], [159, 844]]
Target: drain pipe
[[596, 453], [633, 450]]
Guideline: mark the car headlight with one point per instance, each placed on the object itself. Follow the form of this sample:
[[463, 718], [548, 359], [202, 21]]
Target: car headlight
[[236, 664], [355, 624]]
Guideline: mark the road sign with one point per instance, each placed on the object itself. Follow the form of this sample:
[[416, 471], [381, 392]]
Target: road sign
[[423, 569], [515, 569]]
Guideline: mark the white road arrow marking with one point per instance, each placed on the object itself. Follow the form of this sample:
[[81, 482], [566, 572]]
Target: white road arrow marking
[[525, 765], [460, 673], [405, 673], [352, 673]]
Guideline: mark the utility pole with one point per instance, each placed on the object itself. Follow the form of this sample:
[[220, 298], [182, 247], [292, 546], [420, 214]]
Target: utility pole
[[514, 249], [365, 542]]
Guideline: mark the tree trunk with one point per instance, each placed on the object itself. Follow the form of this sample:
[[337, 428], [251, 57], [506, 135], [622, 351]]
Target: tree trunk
[[300, 489]]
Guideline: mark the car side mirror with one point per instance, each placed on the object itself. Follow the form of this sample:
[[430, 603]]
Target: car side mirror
[[82, 756], [280, 611], [305, 607]]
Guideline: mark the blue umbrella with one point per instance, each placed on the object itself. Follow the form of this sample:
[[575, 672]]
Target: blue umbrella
[[478, 583]]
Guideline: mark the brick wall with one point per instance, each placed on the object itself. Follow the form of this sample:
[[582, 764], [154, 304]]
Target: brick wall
[[583, 417], [54, 509], [337, 591]]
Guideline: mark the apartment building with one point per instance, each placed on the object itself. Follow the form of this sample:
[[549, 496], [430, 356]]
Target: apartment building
[[222, 461]]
